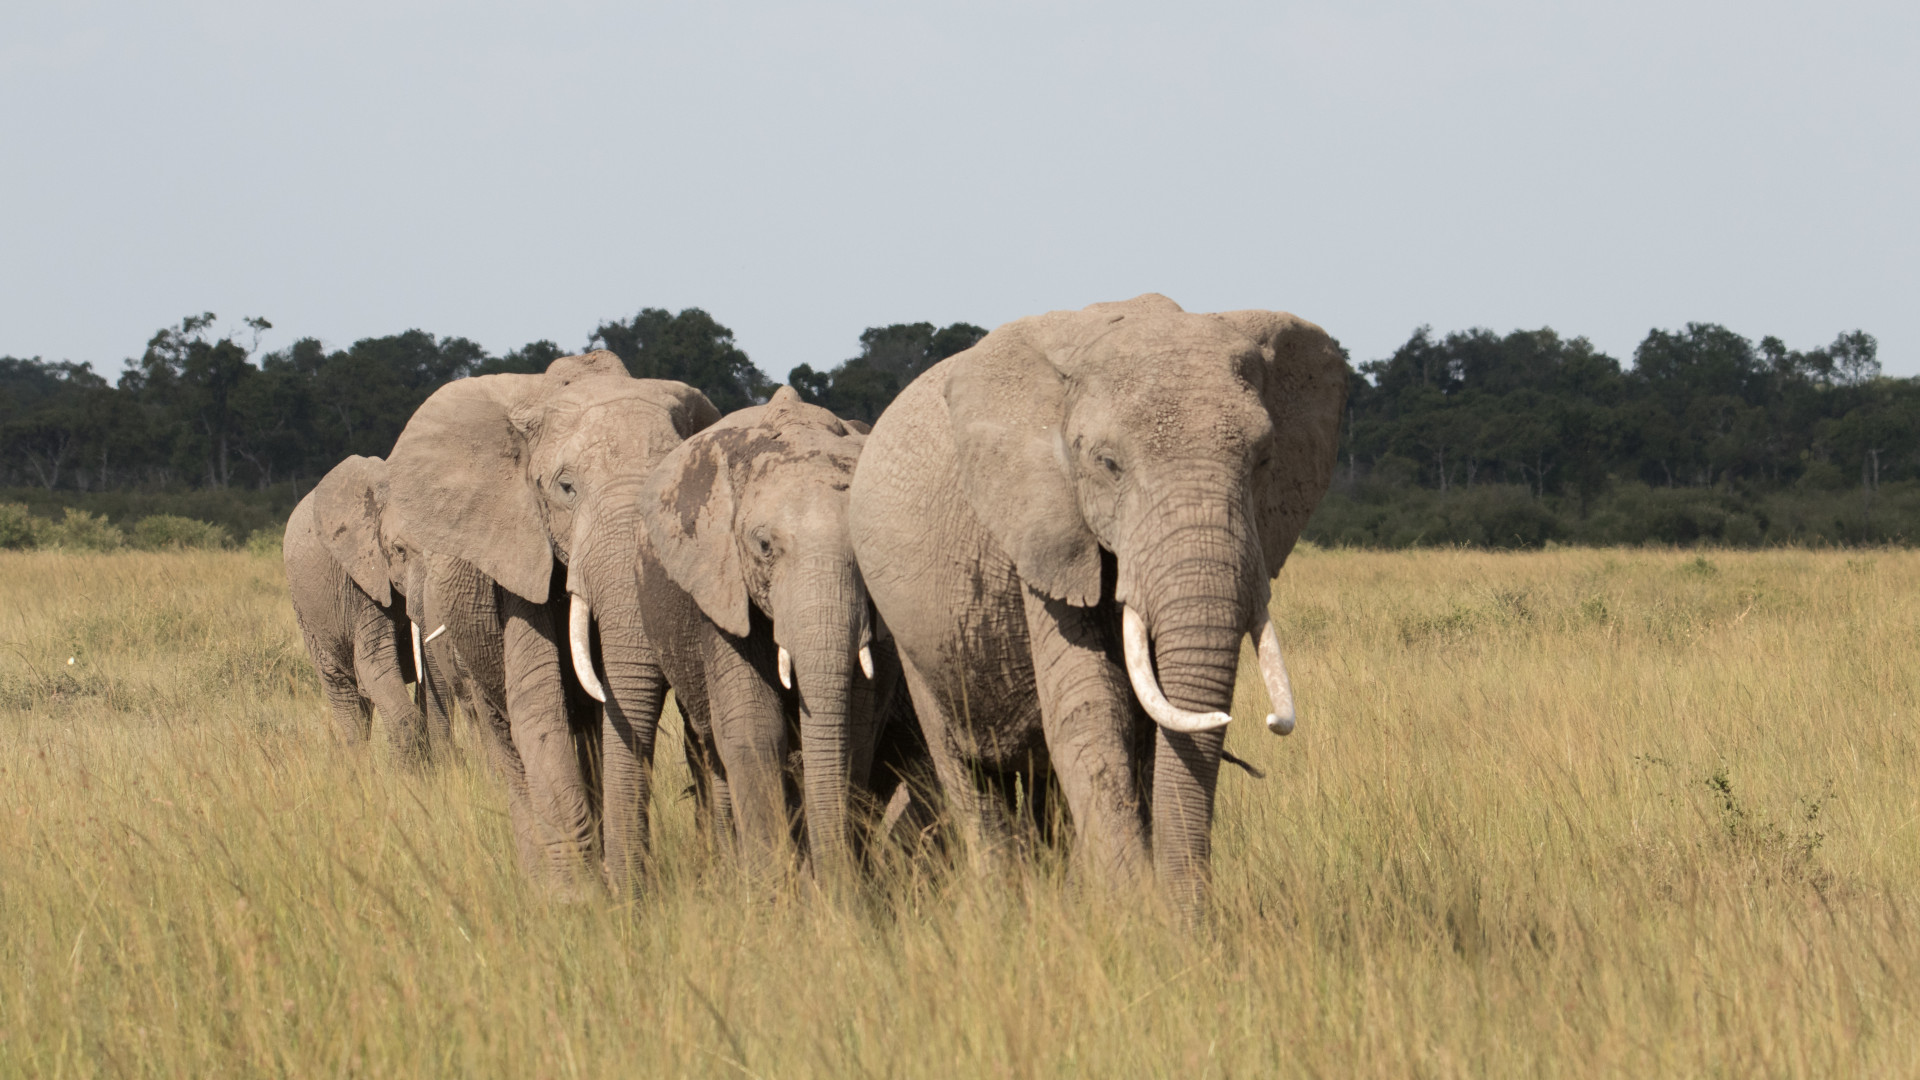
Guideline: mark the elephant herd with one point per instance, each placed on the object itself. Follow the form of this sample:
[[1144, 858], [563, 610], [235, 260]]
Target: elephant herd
[[1029, 581]]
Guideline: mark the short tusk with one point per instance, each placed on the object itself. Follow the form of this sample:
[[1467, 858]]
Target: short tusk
[[579, 623], [1133, 633], [866, 661], [429, 638], [419, 673], [786, 668], [1273, 672]]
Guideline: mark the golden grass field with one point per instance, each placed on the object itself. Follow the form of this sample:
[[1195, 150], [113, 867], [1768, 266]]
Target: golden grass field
[[1574, 813]]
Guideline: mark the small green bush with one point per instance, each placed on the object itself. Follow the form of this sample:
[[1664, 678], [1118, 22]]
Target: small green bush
[[160, 532], [19, 530], [265, 542], [82, 531]]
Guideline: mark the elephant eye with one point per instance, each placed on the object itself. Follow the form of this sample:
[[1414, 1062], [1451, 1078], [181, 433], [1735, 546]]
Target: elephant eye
[[1109, 463]]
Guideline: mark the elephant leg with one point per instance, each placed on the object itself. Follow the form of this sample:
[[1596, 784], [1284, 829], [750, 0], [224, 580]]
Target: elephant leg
[[543, 737], [475, 640], [352, 714], [713, 800], [352, 718], [1087, 713], [750, 732], [978, 817]]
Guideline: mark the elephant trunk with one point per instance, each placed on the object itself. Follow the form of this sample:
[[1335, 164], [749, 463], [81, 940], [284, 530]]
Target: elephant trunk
[[824, 632], [633, 692], [1193, 593]]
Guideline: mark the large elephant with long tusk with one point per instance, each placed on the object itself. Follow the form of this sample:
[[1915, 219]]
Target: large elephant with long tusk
[[750, 592], [349, 575], [522, 491], [1070, 528]]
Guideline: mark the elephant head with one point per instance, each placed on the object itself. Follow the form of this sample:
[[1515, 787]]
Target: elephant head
[[1190, 449], [751, 514], [351, 515]]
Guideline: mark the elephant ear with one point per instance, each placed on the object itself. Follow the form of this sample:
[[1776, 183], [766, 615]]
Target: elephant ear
[[458, 479], [688, 505], [347, 504], [1305, 393], [1006, 399]]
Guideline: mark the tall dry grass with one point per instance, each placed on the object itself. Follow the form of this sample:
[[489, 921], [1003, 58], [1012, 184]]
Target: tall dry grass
[[1572, 813]]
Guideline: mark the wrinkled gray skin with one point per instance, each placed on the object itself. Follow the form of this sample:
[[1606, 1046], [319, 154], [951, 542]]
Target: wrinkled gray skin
[[747, 552], [349, 578], [1017, 494], [522, 492]]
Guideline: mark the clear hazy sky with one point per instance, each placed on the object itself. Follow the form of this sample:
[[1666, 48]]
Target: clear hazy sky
[[513, 172]]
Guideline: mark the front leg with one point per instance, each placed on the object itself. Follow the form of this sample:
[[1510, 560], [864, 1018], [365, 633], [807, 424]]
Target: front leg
[[543, 739], [750, 734], [1087, 710]]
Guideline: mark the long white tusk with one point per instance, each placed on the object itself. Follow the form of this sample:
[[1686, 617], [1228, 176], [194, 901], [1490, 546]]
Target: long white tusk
[[786, 668], [866, 661], [1133, 634], [1273, 672], [579, 622], [429, 638], [419, 673]]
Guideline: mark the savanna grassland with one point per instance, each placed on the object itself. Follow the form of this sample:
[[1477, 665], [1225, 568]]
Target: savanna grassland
[[1580, 812]]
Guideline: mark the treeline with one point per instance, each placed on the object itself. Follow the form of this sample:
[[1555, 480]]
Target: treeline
[[1519, 440], [201, 409], [1469, 438]]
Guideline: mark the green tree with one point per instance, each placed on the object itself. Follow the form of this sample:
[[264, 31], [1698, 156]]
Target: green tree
[[890, 358], [691, 347]]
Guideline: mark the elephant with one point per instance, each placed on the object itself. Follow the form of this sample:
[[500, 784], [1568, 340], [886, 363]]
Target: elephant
[[752, 597], [522, 491], [349, 576], [1069, 529]]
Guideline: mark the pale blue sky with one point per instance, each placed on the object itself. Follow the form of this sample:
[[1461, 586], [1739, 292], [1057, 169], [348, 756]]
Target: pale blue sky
[[512, 172]]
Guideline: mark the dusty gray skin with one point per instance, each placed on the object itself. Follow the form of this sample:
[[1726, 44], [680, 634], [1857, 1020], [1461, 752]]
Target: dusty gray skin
[[521, 490], [349, 577], [1018, 497], [748, 558]]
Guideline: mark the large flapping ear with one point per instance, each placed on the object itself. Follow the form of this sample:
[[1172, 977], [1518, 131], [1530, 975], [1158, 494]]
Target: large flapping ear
[[458, 479], [688, 506], [347, 504], [1006, 399], [1305, 394]]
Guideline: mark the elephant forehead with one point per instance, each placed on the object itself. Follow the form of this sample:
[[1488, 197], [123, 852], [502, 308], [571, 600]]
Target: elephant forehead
[[792, 456], [615, 429], [1179, 407]]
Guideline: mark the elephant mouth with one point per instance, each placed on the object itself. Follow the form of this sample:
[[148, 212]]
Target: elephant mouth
[[1138, 651]]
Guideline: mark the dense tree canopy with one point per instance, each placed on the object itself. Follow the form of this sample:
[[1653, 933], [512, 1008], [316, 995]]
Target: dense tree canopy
[[690, 347], [199, 408]]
